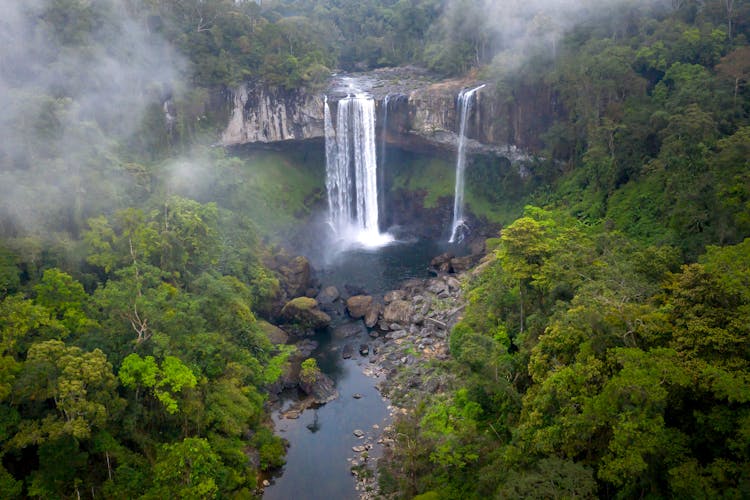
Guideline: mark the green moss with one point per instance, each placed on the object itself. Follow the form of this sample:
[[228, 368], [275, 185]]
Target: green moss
[[276, 190], [435, 176]]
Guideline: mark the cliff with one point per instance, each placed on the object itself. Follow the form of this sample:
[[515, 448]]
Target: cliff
[[261, 115], [422, 113]]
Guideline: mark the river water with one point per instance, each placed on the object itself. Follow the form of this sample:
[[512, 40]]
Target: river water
[[321, 440]]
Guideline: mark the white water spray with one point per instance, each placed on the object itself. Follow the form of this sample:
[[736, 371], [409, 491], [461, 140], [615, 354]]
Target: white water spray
[[464, 106]]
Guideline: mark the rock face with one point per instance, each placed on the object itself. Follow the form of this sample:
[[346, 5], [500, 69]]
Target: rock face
[[422, 113], [304, 312], [262, 114]]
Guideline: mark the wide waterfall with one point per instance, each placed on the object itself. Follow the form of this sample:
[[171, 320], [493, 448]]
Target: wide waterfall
[[351, 171], [464, 107]]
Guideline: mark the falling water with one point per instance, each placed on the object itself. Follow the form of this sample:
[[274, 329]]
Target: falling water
[[351, 171], [381, 169], [464, 106]]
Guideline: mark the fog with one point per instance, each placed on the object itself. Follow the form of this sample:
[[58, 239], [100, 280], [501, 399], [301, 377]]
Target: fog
[[514, 30], [76, 78]]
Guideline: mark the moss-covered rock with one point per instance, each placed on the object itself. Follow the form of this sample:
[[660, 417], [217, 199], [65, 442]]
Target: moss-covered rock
[[275, 334], [304, 313]]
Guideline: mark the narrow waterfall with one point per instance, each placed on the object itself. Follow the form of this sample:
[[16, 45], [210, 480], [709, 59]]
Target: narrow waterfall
[[381, 169], [464, 107], [351, 171]]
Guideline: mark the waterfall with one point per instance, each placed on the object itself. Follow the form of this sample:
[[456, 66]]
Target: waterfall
[[381, 170], [351, 171], [464, 107]]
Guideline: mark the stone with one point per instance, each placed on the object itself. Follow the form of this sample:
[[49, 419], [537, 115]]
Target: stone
[[347, 352], [357, 395], [296, 276], [373, 314], [461, 264], [352, 290], [276, 335], [328, 295], [322, 389], [359, 449], [303, 311], [266, 483], [437, 286], [453, 283], [478, 246], [397, 335], [441, 260], [349, 330], [305, 348], [359, 433], [359, 305], [398, 311], [394, 295], [364, 349]]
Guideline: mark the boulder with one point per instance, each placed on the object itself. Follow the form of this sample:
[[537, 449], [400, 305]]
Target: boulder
[[364, 349], [303, 311], [348, 330], [398, 311], [373, 314], [394, 295], [442, 263], [296, 276], [305, 349], [322, 389], [348, 351], [461, 264], [478, 246], [328, 295], [441, 259], [352, 290], [275, 334], [359, 305]]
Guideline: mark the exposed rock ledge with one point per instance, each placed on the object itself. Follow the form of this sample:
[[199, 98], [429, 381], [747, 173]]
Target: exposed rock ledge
[[261, 115], [422, 113]]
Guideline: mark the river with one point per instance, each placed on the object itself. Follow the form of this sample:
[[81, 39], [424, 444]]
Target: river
[[321, 440]]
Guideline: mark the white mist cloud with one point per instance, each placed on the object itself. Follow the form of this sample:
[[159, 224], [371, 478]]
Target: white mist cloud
[[516, 28], [76, 77]]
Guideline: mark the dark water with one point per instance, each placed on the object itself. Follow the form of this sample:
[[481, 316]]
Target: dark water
[[376, 271], [321, 440]]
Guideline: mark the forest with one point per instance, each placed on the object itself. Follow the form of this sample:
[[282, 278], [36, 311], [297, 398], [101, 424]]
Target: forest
[[605, 348]]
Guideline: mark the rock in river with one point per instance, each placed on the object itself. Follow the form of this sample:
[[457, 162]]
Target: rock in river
[[304, 312], [359, 305]]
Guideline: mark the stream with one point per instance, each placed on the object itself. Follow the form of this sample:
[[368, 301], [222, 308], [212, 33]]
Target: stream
[[321, 440]]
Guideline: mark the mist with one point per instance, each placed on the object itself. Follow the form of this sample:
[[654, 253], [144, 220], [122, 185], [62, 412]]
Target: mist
[[76, 79], [511, 31]]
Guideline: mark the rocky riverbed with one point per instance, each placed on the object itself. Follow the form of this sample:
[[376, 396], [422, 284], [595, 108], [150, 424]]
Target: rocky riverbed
[[414, 329], [389, 336]]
